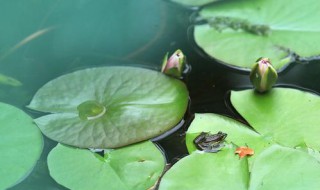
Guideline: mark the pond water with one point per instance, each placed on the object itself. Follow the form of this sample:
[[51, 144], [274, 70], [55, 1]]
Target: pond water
[[41, 40]]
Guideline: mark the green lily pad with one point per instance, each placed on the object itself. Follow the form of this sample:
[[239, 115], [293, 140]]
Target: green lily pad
[[109, 107], [285, 168], [194, 2], [267, 28], [280, 117], [20, 145], [238, 133], [290, 117], [276, 167], [134, 167], [202, 171]]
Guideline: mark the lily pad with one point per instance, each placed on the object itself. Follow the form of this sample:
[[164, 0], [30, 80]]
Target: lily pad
[[290, 117], [223, 170], [20, 145], [285, 168], [135, 167], [268, 28], [202, 171], [280, 118], [109, 107]]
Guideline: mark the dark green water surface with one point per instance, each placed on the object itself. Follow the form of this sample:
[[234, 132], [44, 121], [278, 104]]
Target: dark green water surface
[[73, 34]]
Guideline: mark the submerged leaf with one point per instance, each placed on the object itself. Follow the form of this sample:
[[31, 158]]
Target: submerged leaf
[[20, 145], [251, 29], [109, 107], [6, 80], [135, 167]]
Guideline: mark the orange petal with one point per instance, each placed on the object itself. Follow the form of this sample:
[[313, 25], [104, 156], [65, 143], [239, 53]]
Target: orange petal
[[244, 151]]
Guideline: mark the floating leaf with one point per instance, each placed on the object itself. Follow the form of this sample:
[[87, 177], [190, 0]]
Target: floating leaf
[[109, 107], [285, 116], [135, 167], [224, 170], [285, 168], [268, 28], [202, 171], [20, 145], [290, 117], [6, 80]]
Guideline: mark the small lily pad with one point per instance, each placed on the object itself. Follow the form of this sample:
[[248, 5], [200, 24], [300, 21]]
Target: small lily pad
[[20, 145], [238, 32], [287, 116], [109, 107], [134, 167]]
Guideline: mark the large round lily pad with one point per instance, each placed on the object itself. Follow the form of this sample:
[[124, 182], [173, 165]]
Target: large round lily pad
[[239, 32], [275, 168], [20, 145], [290, 117], [135, 167], [109, 107]]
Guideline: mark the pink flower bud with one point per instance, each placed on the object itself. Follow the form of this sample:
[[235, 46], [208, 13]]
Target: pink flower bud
[[174, 65]]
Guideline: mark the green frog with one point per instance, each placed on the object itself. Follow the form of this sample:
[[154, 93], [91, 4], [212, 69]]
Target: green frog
[[210, 142]]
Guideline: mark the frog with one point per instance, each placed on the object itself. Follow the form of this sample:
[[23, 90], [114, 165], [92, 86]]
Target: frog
[[211, 143]]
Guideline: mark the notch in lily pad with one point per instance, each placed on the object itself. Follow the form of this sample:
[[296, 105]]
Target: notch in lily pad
[[90, 110]]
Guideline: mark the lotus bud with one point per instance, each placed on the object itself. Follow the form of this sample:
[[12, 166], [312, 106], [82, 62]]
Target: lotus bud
[[174, 65], [263, 76]]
